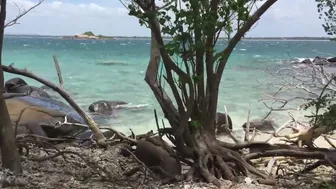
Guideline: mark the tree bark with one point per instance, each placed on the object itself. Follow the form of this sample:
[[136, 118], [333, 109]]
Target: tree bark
[[211, 159], [9, 152]]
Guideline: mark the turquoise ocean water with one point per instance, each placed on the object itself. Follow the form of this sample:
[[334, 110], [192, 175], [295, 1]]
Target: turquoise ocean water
[[122, 77]]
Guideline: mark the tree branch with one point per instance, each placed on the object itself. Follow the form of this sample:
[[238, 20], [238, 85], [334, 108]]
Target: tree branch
[[237, 37], [15, 20], [92, 125]]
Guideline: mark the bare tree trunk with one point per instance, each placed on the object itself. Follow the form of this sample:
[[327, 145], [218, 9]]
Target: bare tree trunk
[[9, 153]]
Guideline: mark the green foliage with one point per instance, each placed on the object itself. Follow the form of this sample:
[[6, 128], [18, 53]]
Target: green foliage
[[89, 33], [189, 22], [193, 67], [325, 109], [328, 185], [326, 10], [104, 37], [196, 124]]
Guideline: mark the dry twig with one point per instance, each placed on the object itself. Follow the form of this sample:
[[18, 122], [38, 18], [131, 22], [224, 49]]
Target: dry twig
[[21, 14]]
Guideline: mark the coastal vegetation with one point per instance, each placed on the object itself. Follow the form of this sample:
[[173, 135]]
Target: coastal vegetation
[[192, 67]]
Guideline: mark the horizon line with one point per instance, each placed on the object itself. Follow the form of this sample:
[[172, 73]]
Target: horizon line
[[49, 35]]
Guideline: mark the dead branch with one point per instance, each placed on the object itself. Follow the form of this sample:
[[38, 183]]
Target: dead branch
[[303, 82], [241, 32], [329, 141], [247, 131], [58, 69], [119, 134], [321, 154], [123, 137], [297, 86], [91, 123], [21, 14]]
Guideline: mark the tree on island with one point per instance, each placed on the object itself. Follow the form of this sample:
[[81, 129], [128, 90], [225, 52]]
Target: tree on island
[[89, 33], [193, 68]]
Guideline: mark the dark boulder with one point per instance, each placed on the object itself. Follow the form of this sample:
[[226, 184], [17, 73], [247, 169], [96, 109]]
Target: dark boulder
[[15, 82], [155, 156], [221, 122], [41, 116], [320, 61], [18, 85], [332, 60], [261, 125], [306, 61], [105, 107]]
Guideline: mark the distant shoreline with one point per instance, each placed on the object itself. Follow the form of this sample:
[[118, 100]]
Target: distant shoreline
[[145, 37]]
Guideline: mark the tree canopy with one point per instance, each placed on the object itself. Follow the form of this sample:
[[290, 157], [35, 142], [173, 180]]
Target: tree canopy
[[193, 68], [326, 9], [89, 33]]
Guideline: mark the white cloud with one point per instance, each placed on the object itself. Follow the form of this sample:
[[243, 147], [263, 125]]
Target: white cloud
[[56, 4], [290, 18], [109, 17]]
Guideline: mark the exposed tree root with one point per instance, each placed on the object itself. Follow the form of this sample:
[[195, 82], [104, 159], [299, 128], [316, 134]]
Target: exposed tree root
[[214, 162], [314, 166]]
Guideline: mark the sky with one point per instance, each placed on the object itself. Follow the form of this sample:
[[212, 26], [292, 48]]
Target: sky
[[286, 18]]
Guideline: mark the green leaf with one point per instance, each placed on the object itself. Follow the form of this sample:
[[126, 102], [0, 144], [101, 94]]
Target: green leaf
[[197, 79], [196, 124]]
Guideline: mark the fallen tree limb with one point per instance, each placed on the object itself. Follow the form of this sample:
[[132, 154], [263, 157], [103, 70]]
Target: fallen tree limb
[[91, 123], [315, 153], [120, 135]]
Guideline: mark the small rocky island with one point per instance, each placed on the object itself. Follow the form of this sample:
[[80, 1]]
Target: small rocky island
[[88, 35]]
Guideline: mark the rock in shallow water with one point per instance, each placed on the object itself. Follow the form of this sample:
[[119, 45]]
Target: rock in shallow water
[[18, 85], [105, 107], [262, 125], [221, 121]]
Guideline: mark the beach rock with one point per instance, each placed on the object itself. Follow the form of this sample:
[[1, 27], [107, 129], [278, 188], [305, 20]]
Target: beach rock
[[332, 60], [18, 85], [41, 115], [320, 61], [220, 121], [15, 82], [44, 87], [306, 61], [105, 107], [155, 156], [261, 125]]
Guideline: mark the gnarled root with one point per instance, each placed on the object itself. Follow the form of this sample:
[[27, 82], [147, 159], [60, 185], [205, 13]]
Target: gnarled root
[[214, 162]]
